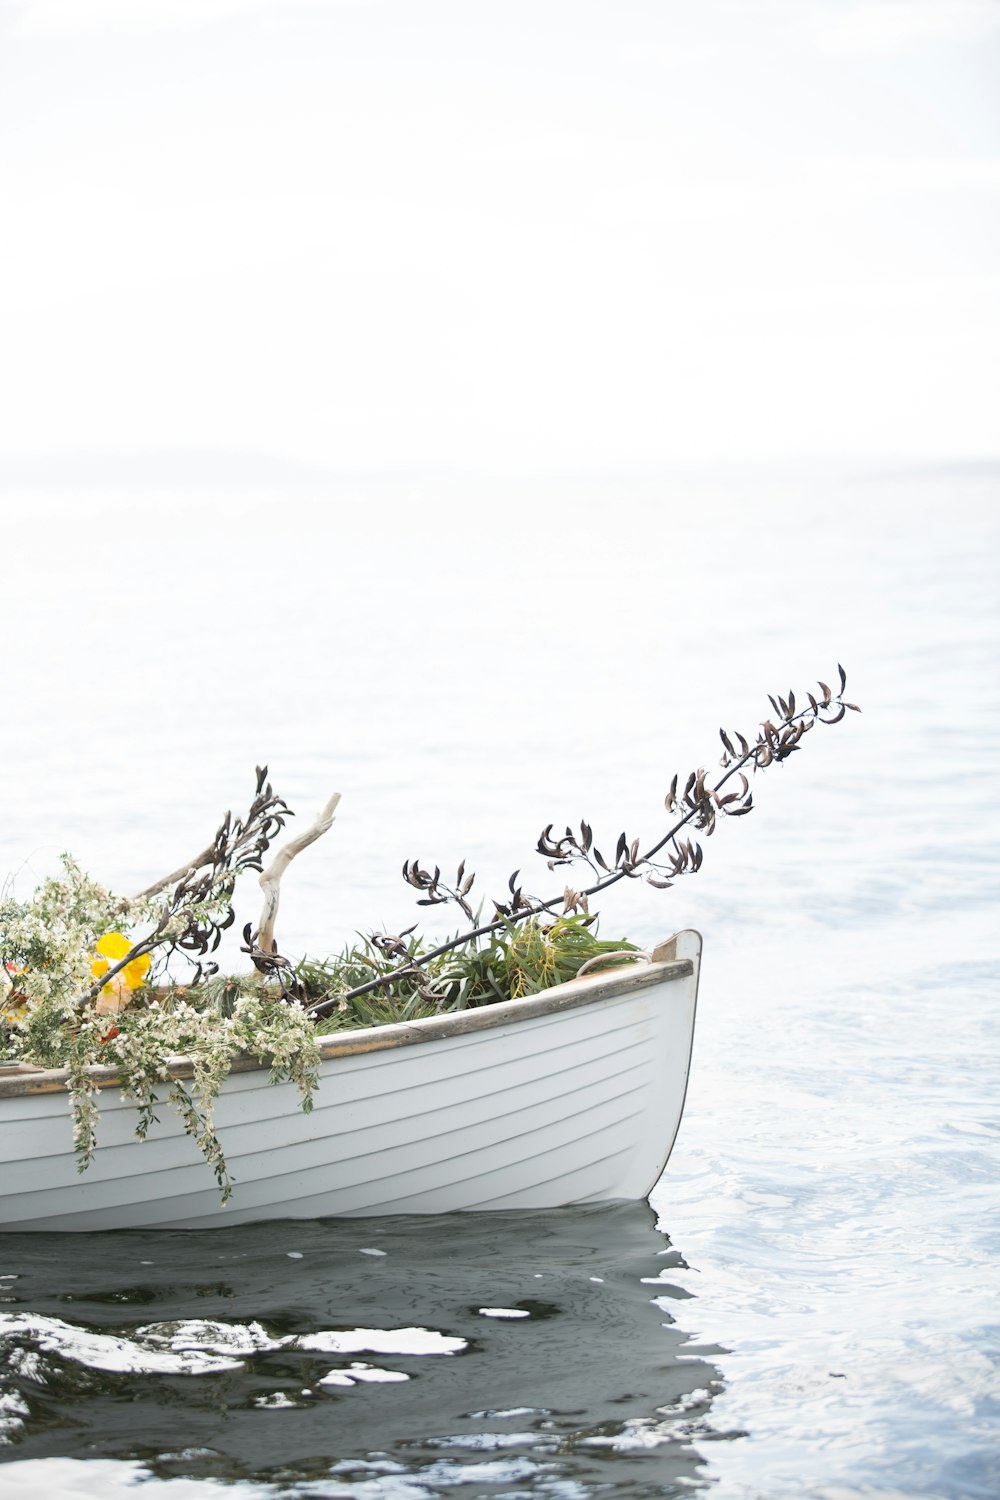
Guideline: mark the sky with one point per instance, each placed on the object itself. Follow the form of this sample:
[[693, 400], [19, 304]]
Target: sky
[[531, 236]]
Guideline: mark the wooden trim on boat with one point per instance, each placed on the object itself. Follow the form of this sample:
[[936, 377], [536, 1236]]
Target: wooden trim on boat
[[605, 985]]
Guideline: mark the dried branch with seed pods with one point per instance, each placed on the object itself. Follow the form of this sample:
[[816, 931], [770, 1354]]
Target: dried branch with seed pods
[[698, 804], [198, 910]]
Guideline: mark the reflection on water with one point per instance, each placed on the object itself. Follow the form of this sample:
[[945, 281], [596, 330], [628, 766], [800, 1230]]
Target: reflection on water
[[515, 1351]]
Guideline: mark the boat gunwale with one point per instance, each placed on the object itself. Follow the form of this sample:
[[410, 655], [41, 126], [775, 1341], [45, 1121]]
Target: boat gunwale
[[591, 990]]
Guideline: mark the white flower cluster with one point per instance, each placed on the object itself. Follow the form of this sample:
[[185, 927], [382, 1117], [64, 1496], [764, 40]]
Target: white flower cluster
[[47, 944]]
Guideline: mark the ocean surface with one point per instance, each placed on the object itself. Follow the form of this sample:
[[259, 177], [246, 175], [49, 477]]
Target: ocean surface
[[809, 1306]]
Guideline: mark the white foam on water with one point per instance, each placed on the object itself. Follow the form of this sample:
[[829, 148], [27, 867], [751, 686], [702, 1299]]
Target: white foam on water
[[13, 1408], [491, 1442], [492, 1471], [503, 1312], [367, 1466], [637, 1435], [381, 1341], [106, 1351], [382, 1486], [185, 1455], [510, 1411], [210, 1337], [359, 1372], [111, 1479], [689, 1402], [27, 1363]]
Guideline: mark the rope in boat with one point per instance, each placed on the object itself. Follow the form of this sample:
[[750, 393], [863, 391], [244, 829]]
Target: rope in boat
[[601, 958]]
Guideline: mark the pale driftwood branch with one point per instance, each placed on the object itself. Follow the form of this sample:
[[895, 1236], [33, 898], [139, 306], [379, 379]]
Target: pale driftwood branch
[[204, 858], [271, 878]]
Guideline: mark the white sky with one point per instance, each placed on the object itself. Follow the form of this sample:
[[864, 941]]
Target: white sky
[[529, 235]]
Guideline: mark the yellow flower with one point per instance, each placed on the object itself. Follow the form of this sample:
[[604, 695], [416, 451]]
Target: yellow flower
[[16, 1004], [114, 948]]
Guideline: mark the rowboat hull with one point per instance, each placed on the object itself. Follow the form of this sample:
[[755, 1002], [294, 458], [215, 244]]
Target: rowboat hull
[[571, 1096]]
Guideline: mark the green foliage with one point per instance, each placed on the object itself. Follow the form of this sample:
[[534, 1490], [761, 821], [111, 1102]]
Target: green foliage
[[518, 959], [50, 1017]]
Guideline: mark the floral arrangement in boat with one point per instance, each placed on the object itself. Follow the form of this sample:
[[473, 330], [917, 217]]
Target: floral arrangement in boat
[[89, 981]]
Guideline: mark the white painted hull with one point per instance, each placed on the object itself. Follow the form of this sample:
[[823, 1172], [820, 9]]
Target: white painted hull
[[569, 1097]]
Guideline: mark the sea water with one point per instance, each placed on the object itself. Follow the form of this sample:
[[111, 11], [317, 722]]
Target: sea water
[[809, 1306]]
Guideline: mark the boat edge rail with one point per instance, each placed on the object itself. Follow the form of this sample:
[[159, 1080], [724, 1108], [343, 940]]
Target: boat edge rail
[[609, 984]]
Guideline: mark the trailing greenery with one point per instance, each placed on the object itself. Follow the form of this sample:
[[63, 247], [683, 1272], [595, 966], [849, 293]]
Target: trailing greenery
[[73, 987], [141, 1043], [52, 950]]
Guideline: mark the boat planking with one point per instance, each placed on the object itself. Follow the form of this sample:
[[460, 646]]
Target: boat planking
[[571, 1096]]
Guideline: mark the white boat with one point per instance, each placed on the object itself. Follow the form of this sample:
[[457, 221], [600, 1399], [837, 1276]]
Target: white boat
[[574, 1095]]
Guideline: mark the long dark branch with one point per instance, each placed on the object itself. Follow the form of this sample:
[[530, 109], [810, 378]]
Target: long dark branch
[[773, 744]]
